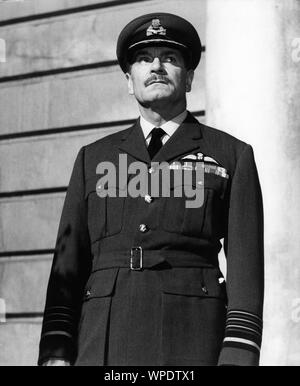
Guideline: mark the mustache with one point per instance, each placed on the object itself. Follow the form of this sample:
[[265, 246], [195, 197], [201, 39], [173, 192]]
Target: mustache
[[156, 78]]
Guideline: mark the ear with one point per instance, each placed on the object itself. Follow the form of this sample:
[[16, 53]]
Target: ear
[[189, 80], [129, 83]]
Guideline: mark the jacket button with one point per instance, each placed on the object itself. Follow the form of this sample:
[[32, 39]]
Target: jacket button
[[204, 289], [148, 199], [88, 294], [151, 170], [143, 228]]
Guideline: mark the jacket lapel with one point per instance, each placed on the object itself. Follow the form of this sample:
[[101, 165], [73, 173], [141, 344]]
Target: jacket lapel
[[185, 139], [133, 143]]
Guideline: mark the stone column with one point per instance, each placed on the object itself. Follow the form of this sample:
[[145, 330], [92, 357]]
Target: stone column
[[253, 92]]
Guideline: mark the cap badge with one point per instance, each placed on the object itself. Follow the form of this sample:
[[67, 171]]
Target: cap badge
[[156, 28]]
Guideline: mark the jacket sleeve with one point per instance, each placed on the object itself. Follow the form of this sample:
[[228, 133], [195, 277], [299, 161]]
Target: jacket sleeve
[[244, 250], [69, 272]]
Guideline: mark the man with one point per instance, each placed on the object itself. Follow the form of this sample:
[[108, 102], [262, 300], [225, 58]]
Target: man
[[135, 280]]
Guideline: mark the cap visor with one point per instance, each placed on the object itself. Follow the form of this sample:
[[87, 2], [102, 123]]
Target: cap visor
[[157, 42]]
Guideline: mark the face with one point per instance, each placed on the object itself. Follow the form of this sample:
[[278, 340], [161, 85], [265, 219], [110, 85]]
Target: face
[[159, 74]]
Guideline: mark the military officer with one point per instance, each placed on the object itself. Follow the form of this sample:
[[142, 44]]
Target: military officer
[[135, 280]]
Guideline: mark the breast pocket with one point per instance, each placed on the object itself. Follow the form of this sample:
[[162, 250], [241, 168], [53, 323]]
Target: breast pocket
[[215, 221], [184, 211], [198, 220], [105, 214]]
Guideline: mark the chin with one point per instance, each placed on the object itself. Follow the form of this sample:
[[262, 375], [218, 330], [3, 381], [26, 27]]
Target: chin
[[159, 96]]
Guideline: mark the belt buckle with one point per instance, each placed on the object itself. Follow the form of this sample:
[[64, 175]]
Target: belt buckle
[[132, 256]]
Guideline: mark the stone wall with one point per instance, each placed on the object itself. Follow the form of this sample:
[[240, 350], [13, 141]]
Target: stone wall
[[60, 88]]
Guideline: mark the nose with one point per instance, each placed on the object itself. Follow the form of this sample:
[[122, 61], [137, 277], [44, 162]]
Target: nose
[[156, 65]]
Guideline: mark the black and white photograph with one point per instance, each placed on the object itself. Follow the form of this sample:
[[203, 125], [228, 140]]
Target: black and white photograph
[[149, 185]]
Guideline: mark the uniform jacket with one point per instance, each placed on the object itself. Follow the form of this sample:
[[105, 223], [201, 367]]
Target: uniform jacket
[[177, 309]]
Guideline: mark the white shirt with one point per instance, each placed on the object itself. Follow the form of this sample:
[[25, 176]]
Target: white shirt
[[169, 127]]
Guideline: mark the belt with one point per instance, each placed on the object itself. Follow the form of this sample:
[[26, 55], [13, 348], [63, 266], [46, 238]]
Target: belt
[[137, 259]]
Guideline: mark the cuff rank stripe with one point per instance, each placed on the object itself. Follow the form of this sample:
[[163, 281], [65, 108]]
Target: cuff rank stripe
[[59, 320], [243, 330], [57, 333], [248, 335], [245, 315], [244, 326], [241, 344], [231, 319]]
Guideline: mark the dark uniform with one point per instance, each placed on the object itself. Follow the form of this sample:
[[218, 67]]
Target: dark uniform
[[136, 281]]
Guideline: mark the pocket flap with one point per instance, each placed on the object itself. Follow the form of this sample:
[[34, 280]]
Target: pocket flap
[[209, 287], [186, 178], [90, 186], [188, 289], [97, 185], [101, 283]]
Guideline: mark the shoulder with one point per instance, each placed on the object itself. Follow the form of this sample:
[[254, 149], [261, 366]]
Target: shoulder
[[104, 149], [107, 141], [223, 141], [222, 146], [228, 150]]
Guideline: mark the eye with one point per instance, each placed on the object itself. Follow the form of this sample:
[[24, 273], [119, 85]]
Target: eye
[[170, 59], [143, 58]]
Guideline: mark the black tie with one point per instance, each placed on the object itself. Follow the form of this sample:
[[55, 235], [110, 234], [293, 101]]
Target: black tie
[[155, 143]]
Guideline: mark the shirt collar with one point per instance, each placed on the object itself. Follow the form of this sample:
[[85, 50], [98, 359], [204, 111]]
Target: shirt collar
[[169, 127]]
